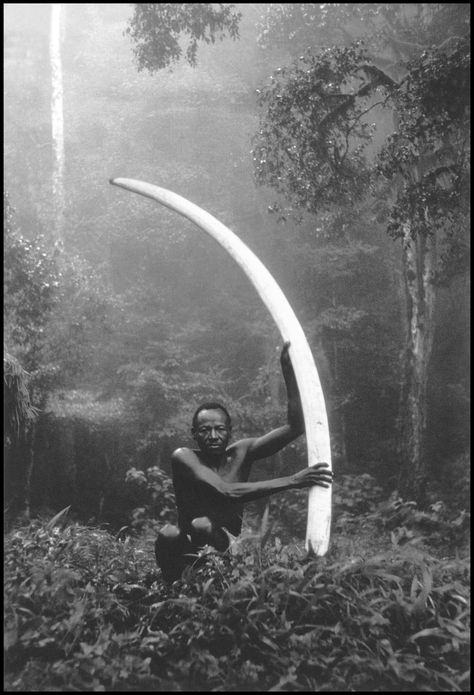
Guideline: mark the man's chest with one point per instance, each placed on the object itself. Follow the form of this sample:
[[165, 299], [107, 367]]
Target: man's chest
[[235, 469]]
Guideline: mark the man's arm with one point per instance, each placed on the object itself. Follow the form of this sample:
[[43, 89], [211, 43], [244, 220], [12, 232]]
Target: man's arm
[[186, 464], [270, 443]]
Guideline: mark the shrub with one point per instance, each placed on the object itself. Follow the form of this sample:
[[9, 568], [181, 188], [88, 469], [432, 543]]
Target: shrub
[[153, 489], [353, 497], [85, 611], [438, 526]]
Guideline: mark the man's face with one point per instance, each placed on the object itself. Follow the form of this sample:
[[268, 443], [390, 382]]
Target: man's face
[[212, 431]]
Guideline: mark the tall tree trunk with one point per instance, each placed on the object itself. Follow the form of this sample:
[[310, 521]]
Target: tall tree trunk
[[419, 260], [29, 471], [57, 120], [339, 411]]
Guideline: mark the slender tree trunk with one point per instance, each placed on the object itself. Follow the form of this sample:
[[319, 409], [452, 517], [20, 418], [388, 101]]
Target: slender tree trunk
[[419, 259], [339, 410], [57, 120], [29, 471]]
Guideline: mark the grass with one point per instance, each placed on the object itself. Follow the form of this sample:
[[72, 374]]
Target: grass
[[85, 611]]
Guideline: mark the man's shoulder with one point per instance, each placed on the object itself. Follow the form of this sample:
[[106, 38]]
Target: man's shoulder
[[183, 460], [240, 448], [183, 453]]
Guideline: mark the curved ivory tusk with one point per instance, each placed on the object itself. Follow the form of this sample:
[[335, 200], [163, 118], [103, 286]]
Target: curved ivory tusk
[[312, 399]]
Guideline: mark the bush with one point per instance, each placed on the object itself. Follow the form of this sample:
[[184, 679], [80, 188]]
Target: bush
[[154, 490], [64, 619], [85, 611], [437, 526], [353, 497]]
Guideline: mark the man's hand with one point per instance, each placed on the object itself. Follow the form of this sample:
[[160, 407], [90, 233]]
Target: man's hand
[[314, 475], [295, 412], [285, 359]]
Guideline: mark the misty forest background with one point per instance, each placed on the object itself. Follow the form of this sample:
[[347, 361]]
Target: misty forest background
[[333, 139]]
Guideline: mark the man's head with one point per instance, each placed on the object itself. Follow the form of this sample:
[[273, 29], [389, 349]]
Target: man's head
[[212, 428]]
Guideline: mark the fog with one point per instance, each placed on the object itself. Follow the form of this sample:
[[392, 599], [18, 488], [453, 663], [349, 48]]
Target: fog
[[156, 316], [288, 531]]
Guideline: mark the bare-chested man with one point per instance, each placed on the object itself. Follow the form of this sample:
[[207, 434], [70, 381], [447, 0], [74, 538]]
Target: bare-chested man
[[211, 482]]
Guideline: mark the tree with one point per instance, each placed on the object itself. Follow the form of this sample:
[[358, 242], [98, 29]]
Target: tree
[[134, 340], [54, 327], [155, 29], [29, 279], [19, 412], [20, 416], [318, 148], [57, 119]]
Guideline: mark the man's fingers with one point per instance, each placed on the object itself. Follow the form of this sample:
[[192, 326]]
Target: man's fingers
[[320, 475], [322, 467], [323, 478]]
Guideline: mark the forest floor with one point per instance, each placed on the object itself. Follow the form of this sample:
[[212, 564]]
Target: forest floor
[[386, 609]]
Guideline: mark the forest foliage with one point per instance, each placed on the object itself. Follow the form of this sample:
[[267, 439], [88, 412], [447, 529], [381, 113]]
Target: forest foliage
[[378, 123], [88, 610], [100, 321], [316, 133], [156, 30]]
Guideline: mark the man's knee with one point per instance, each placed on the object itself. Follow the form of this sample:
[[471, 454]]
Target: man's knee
[[169, 533], [202, 524], [170, 547], [201, 531], [205, 533], [170, 540]]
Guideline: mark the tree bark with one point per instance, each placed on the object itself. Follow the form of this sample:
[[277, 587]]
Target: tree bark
[[419, 261], [57, 120], [339, 410], [29, 471]]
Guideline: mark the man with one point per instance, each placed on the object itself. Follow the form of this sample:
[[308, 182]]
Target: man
[[211, 482]]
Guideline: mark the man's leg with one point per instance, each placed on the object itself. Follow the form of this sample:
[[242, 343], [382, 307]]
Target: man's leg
[[171, 548], [205, 533]]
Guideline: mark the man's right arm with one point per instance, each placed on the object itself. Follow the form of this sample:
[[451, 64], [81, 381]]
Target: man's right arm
[[186, 464]]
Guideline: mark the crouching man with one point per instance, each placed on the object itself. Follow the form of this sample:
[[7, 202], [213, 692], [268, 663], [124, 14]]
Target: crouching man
[[211, 482]]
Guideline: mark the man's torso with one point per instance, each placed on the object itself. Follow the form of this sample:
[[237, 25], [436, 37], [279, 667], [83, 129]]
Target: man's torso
[[195, 499]]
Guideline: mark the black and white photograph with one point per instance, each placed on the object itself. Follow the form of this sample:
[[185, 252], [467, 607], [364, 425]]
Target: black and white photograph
[[236, 347]]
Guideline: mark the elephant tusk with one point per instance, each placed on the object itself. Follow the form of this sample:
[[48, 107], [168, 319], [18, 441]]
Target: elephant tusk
[[312, 398]]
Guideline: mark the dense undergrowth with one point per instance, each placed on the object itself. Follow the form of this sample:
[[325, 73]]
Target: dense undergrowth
[[386, 610]]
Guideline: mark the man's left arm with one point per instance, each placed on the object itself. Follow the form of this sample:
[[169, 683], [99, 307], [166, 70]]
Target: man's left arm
[[272, 442], [295, 411]]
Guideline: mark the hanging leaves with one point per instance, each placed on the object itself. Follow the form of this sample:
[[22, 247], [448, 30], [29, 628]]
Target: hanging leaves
[[156, 29]]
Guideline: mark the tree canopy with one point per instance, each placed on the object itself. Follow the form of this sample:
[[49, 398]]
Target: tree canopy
[[379, 125], [157, 28]]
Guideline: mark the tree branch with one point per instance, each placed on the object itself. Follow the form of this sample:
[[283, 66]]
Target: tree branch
[[377, 103]]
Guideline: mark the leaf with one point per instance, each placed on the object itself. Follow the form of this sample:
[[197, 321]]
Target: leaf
[[428, 632], [60, 516], [207, 586], [87, 649], [270, 643], [464, 636], [383, 575], [265, 526], [414, 585], [10, 638]]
